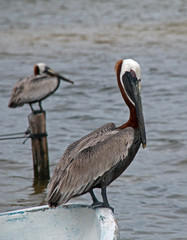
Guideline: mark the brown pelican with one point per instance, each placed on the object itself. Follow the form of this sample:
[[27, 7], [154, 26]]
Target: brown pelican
[[36, 88], [98, 158]]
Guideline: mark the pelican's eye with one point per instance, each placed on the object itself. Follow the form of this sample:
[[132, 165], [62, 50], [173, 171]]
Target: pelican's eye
[[135, 79], [133, 74]]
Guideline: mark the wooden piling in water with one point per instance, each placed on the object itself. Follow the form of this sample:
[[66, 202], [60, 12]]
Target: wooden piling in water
[[37, 124]]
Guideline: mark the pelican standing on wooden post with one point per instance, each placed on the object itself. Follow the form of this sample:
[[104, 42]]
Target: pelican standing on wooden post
[[100, 157], [36, 88]]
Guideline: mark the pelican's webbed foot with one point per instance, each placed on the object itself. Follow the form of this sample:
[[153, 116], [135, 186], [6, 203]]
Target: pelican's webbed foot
[[98, 204]]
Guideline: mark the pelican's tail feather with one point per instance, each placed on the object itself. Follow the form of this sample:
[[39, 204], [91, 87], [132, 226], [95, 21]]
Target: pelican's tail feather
[[13, 104]]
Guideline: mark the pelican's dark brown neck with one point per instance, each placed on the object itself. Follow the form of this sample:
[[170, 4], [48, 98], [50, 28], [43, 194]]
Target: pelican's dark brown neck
[[133, 121]]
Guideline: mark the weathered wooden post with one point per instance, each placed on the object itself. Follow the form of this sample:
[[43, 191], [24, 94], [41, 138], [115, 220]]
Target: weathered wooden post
[[37, 124]]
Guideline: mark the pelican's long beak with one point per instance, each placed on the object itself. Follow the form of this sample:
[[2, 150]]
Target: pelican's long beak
[[133, 87], [65, 79], [53, 73], [139, 112]]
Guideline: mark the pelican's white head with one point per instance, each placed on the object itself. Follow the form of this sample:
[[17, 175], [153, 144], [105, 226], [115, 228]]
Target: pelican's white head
[[39, 68], [128, 65]]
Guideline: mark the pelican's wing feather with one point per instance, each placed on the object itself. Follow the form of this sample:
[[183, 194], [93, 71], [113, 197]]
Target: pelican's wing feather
[[73, 148], [91, 161], [31, 89]]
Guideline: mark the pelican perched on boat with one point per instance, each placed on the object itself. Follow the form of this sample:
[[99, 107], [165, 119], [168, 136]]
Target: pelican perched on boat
[[36, 88], [98, 158]]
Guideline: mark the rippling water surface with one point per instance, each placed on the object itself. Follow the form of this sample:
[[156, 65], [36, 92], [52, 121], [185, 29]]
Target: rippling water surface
[[83, 40]]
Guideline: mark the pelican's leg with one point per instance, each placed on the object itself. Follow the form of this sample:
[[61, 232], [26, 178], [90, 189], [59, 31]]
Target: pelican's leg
[[105, 200], [95, 200], [40, 105], [32, 109]]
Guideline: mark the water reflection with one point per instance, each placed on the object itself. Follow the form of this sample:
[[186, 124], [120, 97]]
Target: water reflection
[[39, 186]]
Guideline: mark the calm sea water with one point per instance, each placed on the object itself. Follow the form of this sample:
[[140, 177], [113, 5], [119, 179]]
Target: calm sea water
[[82, 40]]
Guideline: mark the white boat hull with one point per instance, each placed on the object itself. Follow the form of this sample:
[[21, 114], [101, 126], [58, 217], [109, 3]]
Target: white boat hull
[[70, 221]]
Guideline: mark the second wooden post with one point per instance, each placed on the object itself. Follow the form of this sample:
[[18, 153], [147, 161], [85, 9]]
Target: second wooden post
[[37, 124]]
